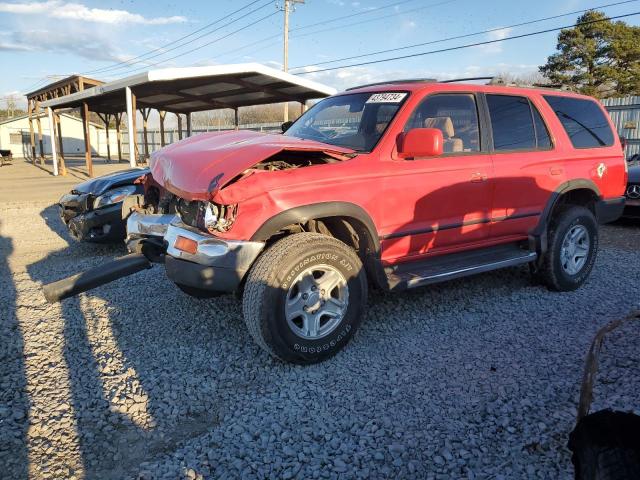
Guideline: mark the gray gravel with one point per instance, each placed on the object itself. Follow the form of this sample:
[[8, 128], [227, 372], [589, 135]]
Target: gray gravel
[[476, 378]]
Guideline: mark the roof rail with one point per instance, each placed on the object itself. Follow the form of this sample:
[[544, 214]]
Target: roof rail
[[492, 80], [387, 82]]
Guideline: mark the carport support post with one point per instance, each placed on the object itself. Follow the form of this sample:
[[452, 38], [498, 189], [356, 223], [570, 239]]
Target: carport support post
[[63, 166], [162, 114], [119, 135], [179, 126], [145, 117], [107, 118], [39, 133], [235, 118], [188, 115], [87, 138], [131, 125], [52, 130], [31, 131]]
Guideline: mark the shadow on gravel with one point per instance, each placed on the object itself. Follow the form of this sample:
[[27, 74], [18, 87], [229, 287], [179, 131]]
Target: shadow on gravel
[[115, 395], [14, 402]]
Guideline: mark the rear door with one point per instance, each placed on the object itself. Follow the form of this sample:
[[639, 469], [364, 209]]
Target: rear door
[[441, 204], [527, 165]]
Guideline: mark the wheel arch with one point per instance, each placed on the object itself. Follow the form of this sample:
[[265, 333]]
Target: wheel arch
[[572, 189], [319, 211], [578, 191], [340, 219]]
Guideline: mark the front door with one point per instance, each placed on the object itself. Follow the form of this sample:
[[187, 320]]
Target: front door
[[443, 204]]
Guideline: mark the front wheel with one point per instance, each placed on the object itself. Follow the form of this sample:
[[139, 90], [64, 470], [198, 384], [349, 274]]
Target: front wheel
[[572, 249], [304, 297]]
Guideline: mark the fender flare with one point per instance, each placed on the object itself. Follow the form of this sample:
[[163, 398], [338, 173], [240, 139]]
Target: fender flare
[[538, 236], [314, 211]]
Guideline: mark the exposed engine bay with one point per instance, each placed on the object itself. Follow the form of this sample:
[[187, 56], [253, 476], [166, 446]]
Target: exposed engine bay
[[209, 216], [287, 160]]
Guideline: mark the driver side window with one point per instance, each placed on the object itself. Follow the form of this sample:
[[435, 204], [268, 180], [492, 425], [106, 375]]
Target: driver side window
[[455, 115]]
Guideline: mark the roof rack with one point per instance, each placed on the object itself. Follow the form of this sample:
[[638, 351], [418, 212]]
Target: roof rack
[[492, 80], [387, 82]]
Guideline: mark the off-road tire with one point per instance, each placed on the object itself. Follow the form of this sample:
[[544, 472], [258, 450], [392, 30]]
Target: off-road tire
[[198, 292], [267, 284], [550, 271]]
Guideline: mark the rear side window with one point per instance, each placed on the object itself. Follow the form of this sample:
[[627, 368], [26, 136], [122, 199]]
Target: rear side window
[[511, 123], [583, 120]]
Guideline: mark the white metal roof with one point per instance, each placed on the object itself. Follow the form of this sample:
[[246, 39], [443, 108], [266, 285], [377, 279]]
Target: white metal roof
[[198, 88]]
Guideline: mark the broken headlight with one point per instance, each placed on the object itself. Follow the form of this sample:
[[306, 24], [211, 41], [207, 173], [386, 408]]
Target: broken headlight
[[114, 195], [218, 218], [207, 216]]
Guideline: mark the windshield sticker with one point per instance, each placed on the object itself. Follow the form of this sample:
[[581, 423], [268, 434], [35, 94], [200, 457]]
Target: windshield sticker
[[389, 97]]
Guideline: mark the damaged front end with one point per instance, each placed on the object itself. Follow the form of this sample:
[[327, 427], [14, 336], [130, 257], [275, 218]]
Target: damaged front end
[[190, 203]]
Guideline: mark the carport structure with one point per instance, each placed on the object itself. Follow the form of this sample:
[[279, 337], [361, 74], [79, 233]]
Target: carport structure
[[182, 91], [35, 99]]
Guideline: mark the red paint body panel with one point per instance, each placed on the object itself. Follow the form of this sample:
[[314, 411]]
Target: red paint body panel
[[409, 201], [188, 167]]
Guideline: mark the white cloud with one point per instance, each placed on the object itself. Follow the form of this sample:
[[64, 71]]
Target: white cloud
[[14, 47], [77, 11], [498, 34], [95, 47], [350, 77]]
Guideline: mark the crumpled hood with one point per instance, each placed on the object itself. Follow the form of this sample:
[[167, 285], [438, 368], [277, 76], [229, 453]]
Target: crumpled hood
[[99, 185], [195, 168]]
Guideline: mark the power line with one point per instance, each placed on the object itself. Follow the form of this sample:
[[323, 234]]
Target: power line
[[306, 34], [208, 43], [458, 37], [342, 17], [469, 45], [305, 27], [163, 50]]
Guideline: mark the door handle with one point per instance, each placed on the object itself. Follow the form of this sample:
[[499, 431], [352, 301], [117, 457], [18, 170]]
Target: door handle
[[478, 177]]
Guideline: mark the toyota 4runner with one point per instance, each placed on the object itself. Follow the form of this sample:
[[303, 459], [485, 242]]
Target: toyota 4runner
[[391, 186]]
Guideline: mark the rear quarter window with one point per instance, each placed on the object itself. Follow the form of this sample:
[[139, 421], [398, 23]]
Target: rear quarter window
[[583, 120]]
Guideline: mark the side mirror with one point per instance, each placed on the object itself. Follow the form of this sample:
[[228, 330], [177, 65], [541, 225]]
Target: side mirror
[[285, 126], [420, 142]]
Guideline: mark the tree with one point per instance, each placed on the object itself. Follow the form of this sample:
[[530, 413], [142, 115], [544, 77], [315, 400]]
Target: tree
[[597, 57]]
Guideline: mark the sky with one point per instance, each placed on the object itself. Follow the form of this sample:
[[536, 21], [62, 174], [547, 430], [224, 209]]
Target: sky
[[42, 41]]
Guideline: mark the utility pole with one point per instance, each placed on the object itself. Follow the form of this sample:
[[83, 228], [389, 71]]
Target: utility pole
[[289, 6]]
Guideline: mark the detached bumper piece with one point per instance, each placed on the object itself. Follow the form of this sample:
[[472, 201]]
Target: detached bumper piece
[[210, 263], [108, 272]]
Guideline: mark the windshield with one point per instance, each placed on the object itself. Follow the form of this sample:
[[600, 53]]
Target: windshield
[[355, 121]]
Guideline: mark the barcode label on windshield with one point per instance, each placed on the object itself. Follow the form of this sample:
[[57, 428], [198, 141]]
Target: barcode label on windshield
[[390, 97]]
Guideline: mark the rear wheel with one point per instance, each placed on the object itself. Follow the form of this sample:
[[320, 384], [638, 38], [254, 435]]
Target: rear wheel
[[304, 297], [572, 249]]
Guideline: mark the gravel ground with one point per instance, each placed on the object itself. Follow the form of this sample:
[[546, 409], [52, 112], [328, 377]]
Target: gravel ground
[[476, 378]]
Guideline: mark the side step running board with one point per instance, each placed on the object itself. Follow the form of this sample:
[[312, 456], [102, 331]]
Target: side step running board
[[448, 267]]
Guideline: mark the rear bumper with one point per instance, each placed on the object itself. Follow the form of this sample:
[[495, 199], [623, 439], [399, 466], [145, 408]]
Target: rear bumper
[[217, 264], [610, 209]]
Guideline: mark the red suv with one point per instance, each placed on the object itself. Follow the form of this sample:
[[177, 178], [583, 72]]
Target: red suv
[[394, 186]]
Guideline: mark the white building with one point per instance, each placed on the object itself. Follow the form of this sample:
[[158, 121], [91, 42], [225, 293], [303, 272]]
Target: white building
[[15, 136]]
